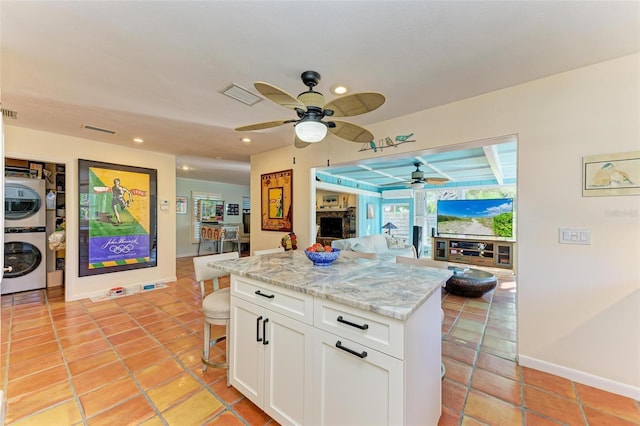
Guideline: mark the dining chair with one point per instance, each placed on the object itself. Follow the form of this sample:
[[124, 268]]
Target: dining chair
[[215, 305]]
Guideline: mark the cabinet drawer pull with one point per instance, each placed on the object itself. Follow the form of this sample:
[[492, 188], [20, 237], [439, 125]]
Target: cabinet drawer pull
[[268, 296], [344, 321], [264, 331], [363, 354], [258, 338]]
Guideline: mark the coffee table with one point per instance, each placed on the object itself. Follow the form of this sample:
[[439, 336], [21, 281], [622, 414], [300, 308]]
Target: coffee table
[[469, 282]]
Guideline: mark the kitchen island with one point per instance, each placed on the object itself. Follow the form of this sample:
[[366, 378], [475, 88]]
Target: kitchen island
[[356, 342]]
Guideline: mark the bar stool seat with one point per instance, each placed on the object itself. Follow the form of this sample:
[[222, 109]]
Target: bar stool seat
[[215, 306]]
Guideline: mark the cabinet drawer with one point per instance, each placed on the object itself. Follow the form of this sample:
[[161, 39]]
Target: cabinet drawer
[[485, 261], [366, 328], [458, 258], [295, 305]]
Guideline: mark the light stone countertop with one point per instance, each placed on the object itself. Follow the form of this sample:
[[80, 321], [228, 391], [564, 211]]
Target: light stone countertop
[[383, 287]]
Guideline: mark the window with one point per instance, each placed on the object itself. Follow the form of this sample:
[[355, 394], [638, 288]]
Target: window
[[195, 219], [398, 214]]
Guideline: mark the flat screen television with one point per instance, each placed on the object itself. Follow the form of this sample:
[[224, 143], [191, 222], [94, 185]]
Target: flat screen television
[[490, 217], [331, 227]]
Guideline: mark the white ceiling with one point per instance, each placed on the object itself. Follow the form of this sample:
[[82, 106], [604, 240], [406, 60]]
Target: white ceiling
[[154, 69]]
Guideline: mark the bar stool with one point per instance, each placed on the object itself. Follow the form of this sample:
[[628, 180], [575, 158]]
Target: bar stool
[[215, 306]]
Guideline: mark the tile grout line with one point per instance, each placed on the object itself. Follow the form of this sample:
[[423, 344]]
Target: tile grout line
[[175, 358]]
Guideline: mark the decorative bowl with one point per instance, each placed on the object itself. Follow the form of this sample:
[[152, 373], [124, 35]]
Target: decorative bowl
[[323, 258]]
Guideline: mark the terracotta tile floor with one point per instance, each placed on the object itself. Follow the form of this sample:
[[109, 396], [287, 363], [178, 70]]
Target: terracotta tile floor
[[136, 360]]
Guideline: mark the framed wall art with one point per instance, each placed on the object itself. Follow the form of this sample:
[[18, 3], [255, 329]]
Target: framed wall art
[[277, 201], [611, 174], [182, 204], [233, 209], [211, 210], [117, 217]]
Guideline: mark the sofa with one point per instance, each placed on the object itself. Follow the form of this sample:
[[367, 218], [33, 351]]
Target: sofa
[[384, 246]]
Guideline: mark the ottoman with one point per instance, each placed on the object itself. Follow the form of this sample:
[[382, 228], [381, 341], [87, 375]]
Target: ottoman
[[470, 282]]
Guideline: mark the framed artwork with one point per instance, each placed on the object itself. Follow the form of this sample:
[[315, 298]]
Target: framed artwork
[[211, 210], [182, 204], [233, 209], [611, 174], [117, 217], [277, 201], [330, 200], [370, 211]]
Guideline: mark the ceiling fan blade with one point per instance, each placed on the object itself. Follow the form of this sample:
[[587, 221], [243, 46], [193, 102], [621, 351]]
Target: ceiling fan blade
[[300, 144], [355, 104], [351, 132], [436, 181], [264, 125], [278, 96]]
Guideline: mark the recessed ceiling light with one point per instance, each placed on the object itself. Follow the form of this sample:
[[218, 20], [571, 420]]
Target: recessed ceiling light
[[340, 90], [185, 167], [138, 140], [246, 140]]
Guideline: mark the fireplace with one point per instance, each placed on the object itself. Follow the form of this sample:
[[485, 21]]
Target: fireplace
[[331, 227]]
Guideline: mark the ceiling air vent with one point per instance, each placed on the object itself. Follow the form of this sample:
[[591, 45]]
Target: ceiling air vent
[[9, 113], [98, 129], [241, 94]]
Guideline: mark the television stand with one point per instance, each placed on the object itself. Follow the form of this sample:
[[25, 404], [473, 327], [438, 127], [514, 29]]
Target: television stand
[[480, 252]]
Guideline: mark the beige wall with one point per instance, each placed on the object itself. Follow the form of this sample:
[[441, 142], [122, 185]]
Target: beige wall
[[42, 146], [578, 306]]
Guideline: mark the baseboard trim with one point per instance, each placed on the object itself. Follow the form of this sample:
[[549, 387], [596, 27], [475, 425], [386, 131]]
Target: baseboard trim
[[581, 377]]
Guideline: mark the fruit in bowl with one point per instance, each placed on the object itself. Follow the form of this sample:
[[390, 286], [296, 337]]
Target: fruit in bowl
[[322, 255]]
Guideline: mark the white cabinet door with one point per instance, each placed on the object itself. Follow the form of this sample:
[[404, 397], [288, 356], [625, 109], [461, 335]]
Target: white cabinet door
[[271, 361], [246, 371], [355, 385], [288, 369]]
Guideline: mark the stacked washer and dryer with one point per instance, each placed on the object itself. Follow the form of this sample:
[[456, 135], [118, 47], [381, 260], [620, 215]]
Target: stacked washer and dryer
[[25, 236]]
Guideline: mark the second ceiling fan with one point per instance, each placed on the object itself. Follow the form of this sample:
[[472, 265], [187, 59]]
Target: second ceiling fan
[[311, 109]]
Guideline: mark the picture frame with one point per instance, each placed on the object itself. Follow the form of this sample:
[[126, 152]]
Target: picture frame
[[611, 174], [277, 201], [330, 200], [211, 210], [182, 204], [233, 209], [370, 211], [117, 217]]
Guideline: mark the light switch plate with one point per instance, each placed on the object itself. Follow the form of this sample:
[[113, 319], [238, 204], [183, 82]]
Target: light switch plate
[[574, 236]]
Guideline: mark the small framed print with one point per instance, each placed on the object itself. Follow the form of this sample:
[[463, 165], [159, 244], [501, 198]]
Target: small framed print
[[182, 204], [611, 174]]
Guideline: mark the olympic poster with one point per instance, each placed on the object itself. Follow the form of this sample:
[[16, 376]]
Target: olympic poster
[[117, 217]]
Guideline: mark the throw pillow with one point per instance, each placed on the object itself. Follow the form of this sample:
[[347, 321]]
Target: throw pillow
[[395, 243]]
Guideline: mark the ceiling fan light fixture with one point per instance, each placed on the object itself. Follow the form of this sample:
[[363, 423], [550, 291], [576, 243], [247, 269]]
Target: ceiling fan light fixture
[[311, 131], [417, 185]]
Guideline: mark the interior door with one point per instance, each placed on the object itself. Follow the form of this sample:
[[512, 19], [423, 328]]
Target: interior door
[[2, 195]]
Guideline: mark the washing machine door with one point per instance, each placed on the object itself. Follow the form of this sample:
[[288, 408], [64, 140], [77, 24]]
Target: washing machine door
[[23, 205], [22, 257]]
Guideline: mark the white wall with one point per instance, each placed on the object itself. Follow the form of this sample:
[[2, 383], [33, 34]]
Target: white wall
[[50, 147], [230, 194], [578, 306]]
